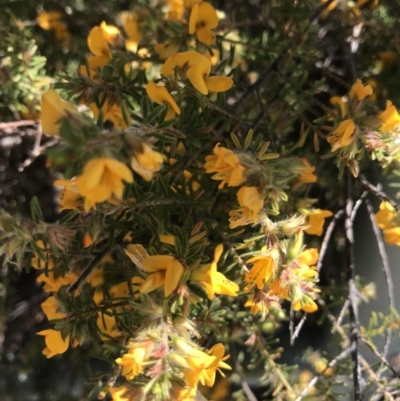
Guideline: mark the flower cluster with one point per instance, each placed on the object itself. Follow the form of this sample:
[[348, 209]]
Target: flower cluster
[[356, 129], [282, 272]]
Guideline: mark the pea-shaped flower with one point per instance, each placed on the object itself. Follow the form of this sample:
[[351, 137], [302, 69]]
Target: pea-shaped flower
[[53, 110], [203, 18], [160, 95]]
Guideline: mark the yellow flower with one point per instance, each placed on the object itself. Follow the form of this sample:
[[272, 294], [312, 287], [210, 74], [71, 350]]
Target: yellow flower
[[132, 361], [306, 304], [251, 203], [177, 60], [203, 18], [136, 253], [53, 110], [52, 21], [166, 271], [276, 288], [261, 272], [100, 179], [316, 220], [360, 91], [307, 258], [97, 43], [147, 163], [111, 112], [203, 365], [342, 135], [392, 236], [385, 215], [390, 117], [307, 173], [50, 308], [199, 69], [213, 281], [111, 34], [198, 75], [118, 394], [49, 20], [55, 344], [52, 283], [217, 351], [176, 9], [165, 50], [70, 197], [227, 166], [160, 95], [131, 28]]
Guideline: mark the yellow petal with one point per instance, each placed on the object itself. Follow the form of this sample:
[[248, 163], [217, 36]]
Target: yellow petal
[[207, 15], [97, 43], [157, 262], [194, 18], [206, 36], [53, 109], [119, 169], [195, 76], [172, 277], [218, 83], [93, 172], [177, 60], [154, 281]]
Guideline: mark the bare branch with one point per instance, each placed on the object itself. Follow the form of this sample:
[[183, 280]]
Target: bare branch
[[377, 191], [247, 390], [327, 238], [344, 354], [386, 270], [351, 287]]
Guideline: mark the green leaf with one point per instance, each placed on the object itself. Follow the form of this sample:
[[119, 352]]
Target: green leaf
[[36, 212]]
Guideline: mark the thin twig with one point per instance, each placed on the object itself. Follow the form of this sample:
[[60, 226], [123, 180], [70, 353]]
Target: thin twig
[[247, 390], [344, 354], [377, 191], [386, 270], [372, 347], [298, 328], [327, 237], [375, 379], [358, 204], [16, 124], [93, 264], [350, 277]]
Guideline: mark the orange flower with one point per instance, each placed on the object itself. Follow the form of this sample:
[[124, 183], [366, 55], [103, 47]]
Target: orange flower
[[261, 272]]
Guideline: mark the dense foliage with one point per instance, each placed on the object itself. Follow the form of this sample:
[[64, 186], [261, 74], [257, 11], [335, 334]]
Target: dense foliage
[[210, 159]]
